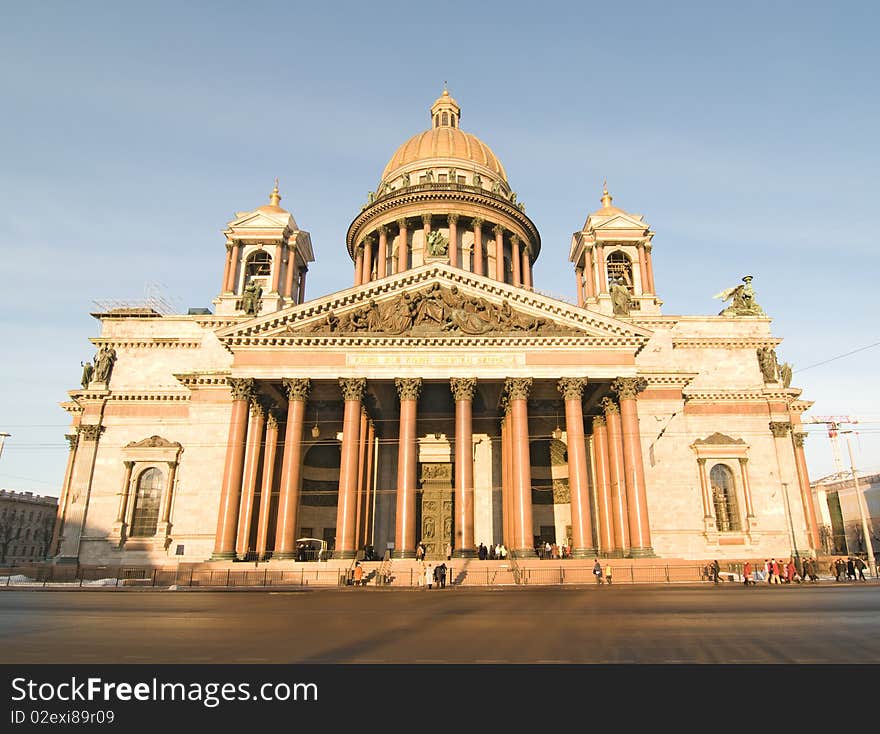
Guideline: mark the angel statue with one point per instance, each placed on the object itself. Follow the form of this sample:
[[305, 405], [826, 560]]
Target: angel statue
[[438, 245], [785, 374], [743, 300]]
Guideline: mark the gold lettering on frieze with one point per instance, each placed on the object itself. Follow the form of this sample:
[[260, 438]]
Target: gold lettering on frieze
[[435, 360]]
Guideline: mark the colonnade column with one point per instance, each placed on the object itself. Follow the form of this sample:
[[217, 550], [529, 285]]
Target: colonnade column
[[233, 267], [276, 269], [499, 252], [643, 269], [453, 240], [367, 274], [226, 267], [402, 246], [269, 453], [747, 489], [288, 274], [366, 534], [352, 393], [600, 269], [506, 509], [302, 285], [405, 539], [358, 263], [518, 394], [363, 447], [168, 497], [579, 277], [526, 267], [72, 441], [382, 264], [516, 260], [587, 282], [230, 489], [572, 389], [297, 391], [477, 266], [650, 268], [617, 478], [463, 393], [627, 389], [804, 481], [249, 479], [123, 496], [603, 485], [426, 230]]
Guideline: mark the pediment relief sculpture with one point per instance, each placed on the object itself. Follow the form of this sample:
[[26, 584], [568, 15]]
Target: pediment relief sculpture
[[433, 310]]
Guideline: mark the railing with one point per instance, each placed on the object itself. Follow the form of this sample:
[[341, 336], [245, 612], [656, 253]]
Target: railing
[[471, 573]]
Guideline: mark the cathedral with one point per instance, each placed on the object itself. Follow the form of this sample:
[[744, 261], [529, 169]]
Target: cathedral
[[443, 399]]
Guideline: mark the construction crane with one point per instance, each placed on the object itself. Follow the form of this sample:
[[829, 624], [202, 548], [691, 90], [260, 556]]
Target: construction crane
[[833, 422]]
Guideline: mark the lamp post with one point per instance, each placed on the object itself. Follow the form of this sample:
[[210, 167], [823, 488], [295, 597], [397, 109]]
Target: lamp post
[[860, 500]]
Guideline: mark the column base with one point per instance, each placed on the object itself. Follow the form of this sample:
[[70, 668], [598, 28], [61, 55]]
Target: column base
[[523, 553], [344, 555], [584, 553], [282, 555], [647, 552], [465, 553], [403, 554], [613, 554], [222, 556]]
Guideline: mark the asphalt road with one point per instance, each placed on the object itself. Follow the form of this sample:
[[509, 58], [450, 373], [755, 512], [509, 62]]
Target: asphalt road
[[828, 623]]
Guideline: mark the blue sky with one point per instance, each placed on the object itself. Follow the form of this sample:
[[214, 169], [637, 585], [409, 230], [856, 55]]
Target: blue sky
[[745, 134]]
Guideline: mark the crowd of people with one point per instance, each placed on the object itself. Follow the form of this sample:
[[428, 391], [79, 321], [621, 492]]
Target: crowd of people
[[491, 552]]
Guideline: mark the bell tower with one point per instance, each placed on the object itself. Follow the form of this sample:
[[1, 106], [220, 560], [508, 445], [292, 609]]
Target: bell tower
[[612, 263], [267, 258]]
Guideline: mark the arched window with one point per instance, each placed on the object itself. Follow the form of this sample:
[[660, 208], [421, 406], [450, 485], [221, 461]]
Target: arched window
[[620, 266], [259, 263], [145, 515], [724, 498], [445, 118]]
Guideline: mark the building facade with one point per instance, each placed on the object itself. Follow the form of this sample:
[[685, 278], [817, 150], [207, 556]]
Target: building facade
[[840, 509], [27, 521], [442, 398]]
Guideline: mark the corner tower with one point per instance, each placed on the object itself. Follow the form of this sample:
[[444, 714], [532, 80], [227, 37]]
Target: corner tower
[[612, 262], [444, 196], [267, 258]]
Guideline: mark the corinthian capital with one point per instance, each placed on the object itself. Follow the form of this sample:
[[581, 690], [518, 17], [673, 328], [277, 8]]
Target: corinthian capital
[[780, 428], [799, 439], [72, 439], [426, 221], [572, 388], [478, 221], [628, 388], [453, 218], [463, 387], [297, 388], [241, 388], [352, 387], [609, 406], [90, 432], [518, 388], [408, 388], [598, 422]]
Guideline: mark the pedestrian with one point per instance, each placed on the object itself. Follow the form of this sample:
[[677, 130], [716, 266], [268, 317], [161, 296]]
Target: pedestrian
[[747, 573], [358, 574], [608, 574], [767, 570], [502, 553], [597, 572], [790, 572], [420, 553], [449, 551], [860, 567], [774, 567], [441, 575], [850, 569], [429, 576], [716, 570]]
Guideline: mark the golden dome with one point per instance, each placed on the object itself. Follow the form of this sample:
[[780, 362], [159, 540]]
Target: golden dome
[[274, 200], [607, 209], [445, 140]]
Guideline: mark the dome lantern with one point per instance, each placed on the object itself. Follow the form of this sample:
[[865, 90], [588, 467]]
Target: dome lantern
[[445, 112]]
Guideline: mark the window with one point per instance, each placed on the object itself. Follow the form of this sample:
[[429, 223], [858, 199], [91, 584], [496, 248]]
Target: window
[[724, 498], [258, 263], [445, 118], [145, 516], [620, 267]]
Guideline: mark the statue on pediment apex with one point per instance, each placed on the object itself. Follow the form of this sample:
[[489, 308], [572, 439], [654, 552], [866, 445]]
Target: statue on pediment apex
[[742, 298]]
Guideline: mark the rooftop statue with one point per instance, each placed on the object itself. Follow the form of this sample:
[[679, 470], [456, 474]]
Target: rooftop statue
[[478, 180], [87, 373], [250, 299], [104, 362], [621, 301], [743, 300]]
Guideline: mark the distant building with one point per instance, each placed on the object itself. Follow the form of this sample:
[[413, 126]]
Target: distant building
[[838, 510], [26, 524]]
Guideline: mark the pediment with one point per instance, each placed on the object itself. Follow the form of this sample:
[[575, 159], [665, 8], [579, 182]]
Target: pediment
[[618, 221], [718, 439], [436, 300], [260, 220]]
